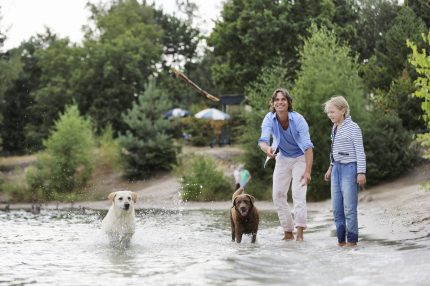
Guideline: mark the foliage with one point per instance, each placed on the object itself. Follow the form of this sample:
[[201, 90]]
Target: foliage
[[421, 61], [67, 163], [121, 49], [10, 67], [390, 56], [147, 146], [15, 111], [421, 9], [18, 191], [109, 156], [389, 147], [327, 70], [374, 19], [400, 100], [180, 39], [55, 61], [254, 33], [202, 181]]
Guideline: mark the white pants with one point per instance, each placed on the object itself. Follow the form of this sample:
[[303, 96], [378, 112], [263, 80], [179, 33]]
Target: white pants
[[285, 170]]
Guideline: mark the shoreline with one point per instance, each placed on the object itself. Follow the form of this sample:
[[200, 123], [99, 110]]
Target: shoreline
[[395, 211]]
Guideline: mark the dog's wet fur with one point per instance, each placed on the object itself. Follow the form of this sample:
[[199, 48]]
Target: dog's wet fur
[[119, 223], [243, 216]]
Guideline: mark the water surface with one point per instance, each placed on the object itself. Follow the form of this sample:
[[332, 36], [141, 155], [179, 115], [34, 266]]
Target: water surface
[[193, 247]]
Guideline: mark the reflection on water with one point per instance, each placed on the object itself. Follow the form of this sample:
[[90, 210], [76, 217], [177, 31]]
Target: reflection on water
[[194, 248]]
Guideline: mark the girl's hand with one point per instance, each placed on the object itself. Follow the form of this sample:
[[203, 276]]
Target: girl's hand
[[327, 174], [361, 179]]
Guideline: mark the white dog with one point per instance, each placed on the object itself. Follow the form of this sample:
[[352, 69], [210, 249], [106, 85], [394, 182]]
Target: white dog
[[119, 222]]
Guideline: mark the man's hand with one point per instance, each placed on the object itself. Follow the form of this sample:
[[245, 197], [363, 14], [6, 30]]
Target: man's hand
[[270, 152], [305, 179]]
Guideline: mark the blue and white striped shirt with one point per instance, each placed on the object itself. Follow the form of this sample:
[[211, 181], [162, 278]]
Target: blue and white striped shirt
[[347, 144]]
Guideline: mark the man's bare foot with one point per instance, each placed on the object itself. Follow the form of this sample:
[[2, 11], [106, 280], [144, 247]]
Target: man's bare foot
[[288, 235], [351, 244], [341, 244], [299, 236]]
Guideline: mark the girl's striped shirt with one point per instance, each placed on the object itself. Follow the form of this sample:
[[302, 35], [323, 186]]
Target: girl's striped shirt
[[347, 145]]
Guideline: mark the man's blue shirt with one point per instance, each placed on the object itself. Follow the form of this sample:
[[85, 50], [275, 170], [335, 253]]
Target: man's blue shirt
[[298, 129]]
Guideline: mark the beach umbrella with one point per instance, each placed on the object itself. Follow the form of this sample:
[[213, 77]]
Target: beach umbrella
[[176, 112], [213, 114]]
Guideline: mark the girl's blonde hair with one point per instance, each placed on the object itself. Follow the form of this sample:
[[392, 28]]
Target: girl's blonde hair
[[339, 102]]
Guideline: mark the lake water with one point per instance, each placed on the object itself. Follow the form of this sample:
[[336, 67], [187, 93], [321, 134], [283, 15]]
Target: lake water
[[193, 247]]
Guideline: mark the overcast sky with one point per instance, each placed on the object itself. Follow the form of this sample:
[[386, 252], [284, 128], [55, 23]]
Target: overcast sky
[[24, 18]]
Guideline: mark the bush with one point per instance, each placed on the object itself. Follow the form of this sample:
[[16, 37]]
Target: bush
[[18, 191], [67, 163], [201, 181], [109, 151], [390, 149]]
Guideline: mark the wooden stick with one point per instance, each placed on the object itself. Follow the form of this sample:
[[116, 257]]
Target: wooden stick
[[195, 86]]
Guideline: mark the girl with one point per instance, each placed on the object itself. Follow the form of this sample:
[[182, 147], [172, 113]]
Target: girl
[[347, 169]]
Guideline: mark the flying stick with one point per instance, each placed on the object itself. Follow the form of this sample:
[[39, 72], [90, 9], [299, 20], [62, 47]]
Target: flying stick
[[195, 86]]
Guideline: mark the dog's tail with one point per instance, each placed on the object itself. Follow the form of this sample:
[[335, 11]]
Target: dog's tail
[[237, 193]]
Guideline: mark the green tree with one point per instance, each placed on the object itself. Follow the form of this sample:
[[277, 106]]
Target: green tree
[[400, 100], [67, 163], [390, 56], [10, 67], [120, 51], [17, 101], [374, 19], [56, 60], [180, 41], [421, 9], [327, 70], [253, 34], [421, 61], [389, 146], [147, 146]]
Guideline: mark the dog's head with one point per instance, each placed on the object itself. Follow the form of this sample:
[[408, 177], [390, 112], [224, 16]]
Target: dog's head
[[243, 204], [123, 200]]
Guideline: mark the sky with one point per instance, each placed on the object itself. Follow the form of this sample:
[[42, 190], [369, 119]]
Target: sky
[[21, 19]]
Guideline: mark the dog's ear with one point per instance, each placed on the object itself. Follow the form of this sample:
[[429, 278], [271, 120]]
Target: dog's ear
[[234, 201], [237, 193], [251, 198], [111, 196], [134, 196]]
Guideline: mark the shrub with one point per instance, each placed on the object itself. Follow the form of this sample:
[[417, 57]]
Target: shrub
[[67, 162], [202, 181], [109, 151], [389, 147]]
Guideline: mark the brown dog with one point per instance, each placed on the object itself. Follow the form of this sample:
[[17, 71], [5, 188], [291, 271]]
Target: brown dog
[[243, 216]]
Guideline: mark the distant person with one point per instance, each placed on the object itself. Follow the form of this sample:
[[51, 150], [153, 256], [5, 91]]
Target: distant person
[[241, 176], [290, 133], [347, 169]]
